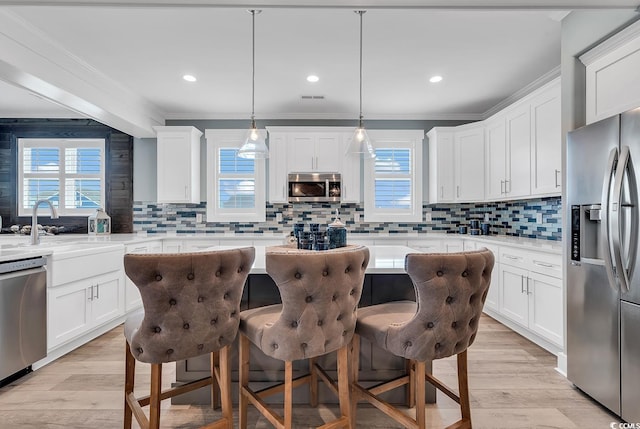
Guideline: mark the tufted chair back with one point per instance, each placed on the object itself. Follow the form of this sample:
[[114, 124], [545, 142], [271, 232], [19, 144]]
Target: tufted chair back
[[320, 292], [191, 302], [450, 292]]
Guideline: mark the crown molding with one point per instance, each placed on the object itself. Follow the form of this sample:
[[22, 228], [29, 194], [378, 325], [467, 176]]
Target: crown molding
[[521, 93], [325, 116], [624, 36]]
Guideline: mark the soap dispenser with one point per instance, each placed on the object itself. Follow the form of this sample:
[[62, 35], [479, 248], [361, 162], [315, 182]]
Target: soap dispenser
[[337, 233]]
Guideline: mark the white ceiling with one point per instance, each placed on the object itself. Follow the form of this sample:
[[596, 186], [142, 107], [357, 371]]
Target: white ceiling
[[126, 61]]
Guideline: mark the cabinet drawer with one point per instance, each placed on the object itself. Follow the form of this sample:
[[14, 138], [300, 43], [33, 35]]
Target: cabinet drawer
[[81, 267], [547, 264], [515, 257]]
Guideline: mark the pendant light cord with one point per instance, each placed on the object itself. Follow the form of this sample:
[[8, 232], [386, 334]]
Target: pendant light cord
[[253, 68], [360, 12]]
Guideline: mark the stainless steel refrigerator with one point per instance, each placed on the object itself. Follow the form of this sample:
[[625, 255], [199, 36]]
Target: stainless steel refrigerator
[[603, 282]]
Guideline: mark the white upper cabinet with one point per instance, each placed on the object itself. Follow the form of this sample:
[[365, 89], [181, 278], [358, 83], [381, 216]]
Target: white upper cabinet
[[278, 151], [514, 154], [441, 172], [518, 127], [309, 150], [546, 142], [178, 164], [456, 163], [469, 162], [496, 157], [315, 152]]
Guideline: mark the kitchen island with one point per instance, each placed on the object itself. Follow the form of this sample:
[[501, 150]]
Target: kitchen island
[[385, 280]]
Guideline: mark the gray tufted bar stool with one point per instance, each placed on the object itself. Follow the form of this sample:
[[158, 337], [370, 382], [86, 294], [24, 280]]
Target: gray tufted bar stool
[[450, 292], [191, 307], [320, 292]]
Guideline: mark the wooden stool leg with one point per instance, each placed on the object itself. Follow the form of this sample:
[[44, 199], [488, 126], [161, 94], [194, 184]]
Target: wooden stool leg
[[154, 400], [129, 381], [225, 386], [463, 386], [288, 395], [355, 367], [410, 389], [243, 404], [313, 383], [343, 384], [420, 394], [215, 396]]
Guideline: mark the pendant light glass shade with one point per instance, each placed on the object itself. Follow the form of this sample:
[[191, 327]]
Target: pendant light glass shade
[[254, 146], [360, 142]]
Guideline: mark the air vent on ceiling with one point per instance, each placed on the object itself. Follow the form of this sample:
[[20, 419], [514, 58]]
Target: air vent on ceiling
[[312, 97]]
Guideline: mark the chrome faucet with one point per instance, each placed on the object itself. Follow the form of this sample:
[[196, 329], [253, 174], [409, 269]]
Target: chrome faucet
[[35, 236]]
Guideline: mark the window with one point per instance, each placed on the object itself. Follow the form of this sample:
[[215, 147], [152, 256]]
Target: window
[[396, 177], [236, 186], [68, 172]]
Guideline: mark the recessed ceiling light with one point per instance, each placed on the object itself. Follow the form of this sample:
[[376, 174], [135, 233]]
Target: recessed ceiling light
[[312, 78], [189, 78], [435, 79]]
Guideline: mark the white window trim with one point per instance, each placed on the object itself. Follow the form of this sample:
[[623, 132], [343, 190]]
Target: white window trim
[[61, 174], [226, 138], [413, 140]]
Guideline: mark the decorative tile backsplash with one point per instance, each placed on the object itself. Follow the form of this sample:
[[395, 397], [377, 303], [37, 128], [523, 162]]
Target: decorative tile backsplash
[[515, 218]]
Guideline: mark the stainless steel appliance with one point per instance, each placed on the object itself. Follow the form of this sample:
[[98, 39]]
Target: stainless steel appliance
[[23, 315], [314, 187], [603, 285]]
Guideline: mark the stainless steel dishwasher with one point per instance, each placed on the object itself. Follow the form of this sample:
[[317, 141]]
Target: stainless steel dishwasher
[[23, 315]]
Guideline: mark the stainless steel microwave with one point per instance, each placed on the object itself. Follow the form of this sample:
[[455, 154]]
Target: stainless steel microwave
[[314, 187]]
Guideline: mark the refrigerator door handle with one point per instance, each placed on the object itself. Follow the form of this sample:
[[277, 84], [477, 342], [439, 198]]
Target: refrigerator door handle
[[605, 230], [625, 168]]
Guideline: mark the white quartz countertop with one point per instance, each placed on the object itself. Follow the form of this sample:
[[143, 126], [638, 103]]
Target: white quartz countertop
[[382, 259], [17, 247]]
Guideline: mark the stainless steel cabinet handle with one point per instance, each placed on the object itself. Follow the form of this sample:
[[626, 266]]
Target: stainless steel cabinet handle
[[511, 257], [90, 289], [556, 178], [97, 291], [458, 191], [506, 191], [542, 264], [522, 284], [186, 191], [502, 187], [528, 293]]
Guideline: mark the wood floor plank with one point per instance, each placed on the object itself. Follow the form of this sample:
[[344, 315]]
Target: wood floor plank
[[512, 383]]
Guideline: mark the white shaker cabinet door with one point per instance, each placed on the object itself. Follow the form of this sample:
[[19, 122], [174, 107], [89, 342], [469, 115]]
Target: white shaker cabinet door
[[441, 166], [496, 158], [107, 302], [469, 168], [178, 158], [546, 143], [69, 312], [546, 307], [518, 127], [514, 301], [278, 170]]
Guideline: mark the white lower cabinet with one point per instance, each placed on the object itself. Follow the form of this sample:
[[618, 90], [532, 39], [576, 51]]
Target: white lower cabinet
[[531, 292], [132, 294], [514, 300], [79, 306]]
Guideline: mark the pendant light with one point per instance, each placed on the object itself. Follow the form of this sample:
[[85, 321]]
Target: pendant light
[[360, 142], [254, 146]]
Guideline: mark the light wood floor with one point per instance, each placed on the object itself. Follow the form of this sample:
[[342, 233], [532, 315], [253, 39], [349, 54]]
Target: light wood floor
[[513, 385]]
